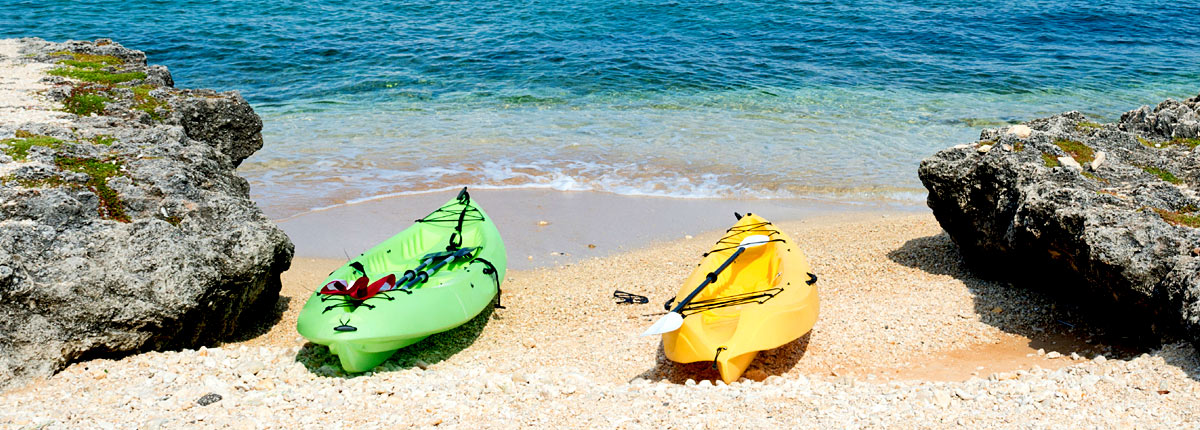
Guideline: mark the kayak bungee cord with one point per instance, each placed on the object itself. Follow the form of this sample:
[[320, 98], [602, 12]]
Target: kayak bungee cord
[[424, 275], [674, 319], [759, 297], [430, 263], [759, 228], [459, 217]]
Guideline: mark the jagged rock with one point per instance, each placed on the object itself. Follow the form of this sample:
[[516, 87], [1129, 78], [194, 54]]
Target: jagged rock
[[1119, 236], [128, 229], [1170, 119], [226, 122]]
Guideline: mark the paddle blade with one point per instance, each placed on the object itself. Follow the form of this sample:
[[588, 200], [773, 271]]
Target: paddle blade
[[754, 240], [668, 323]]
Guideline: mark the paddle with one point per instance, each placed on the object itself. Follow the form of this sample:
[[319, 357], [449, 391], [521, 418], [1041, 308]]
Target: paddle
[[425, 260], [423, 275], [674, 319]]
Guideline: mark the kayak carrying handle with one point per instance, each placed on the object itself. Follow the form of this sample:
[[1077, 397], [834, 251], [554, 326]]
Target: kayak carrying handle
[[719, 349]]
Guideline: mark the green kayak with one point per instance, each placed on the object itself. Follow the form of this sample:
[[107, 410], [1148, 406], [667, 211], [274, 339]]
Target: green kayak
[[429, 278]]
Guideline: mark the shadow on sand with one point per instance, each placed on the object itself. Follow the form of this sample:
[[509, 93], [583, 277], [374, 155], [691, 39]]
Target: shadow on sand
[[433, 349], [1051, 316], [771, 362], [256, 324]]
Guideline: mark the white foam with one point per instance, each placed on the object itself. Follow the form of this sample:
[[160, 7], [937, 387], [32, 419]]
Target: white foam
[[586, 176]]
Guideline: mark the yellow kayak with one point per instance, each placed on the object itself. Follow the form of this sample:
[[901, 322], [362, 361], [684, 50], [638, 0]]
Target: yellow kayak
[[764, 298]]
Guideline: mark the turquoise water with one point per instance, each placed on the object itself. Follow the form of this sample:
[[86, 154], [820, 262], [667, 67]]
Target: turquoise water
[[684, 99]]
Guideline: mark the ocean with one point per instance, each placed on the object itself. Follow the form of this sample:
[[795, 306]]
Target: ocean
[[707, 99]]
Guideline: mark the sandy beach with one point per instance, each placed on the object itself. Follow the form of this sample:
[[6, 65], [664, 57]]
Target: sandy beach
[[907, 338], [155, 184]]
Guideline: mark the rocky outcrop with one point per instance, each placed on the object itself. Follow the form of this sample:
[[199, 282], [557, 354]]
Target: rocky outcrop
[[1107, 212], [126, 228]]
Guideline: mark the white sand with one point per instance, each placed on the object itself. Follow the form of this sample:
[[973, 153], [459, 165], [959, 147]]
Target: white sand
[[20, 83], [907, 338]]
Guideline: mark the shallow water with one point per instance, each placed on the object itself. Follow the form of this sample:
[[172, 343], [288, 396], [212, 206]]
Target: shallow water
[[721, 99]]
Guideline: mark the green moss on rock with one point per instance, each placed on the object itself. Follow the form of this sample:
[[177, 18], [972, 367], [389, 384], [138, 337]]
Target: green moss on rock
[[97, 76], [1077, 150], [1162, 174], [1190, 142], [1087, 125], [53, 181], [92, 68], [89, 60], [143, 101], [18, 147], [98, 171], [1093, 177], [85, 100], [102, 139], [173, 220], [1183, 217], [1050, 160]]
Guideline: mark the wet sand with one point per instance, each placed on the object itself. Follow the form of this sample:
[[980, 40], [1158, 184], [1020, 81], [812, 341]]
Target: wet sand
[[544, 227]]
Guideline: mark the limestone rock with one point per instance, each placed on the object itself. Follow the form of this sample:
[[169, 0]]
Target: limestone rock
[[1099, 161], [1070, 163], [225, 121], [128, 228], [1118, 238], [1021, 131], [1170, 119]]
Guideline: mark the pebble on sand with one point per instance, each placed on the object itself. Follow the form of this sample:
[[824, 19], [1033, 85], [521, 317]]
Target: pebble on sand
[[208, 399]]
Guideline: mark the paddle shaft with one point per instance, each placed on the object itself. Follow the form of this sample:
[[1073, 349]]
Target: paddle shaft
[[708, 279], [429, 271], [429, 258], [413, 272]]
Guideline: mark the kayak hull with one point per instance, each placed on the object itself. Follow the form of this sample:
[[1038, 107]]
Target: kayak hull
[[731, 336], [364, 334]]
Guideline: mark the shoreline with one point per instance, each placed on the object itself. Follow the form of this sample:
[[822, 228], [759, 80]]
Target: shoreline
[[577, 224]]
